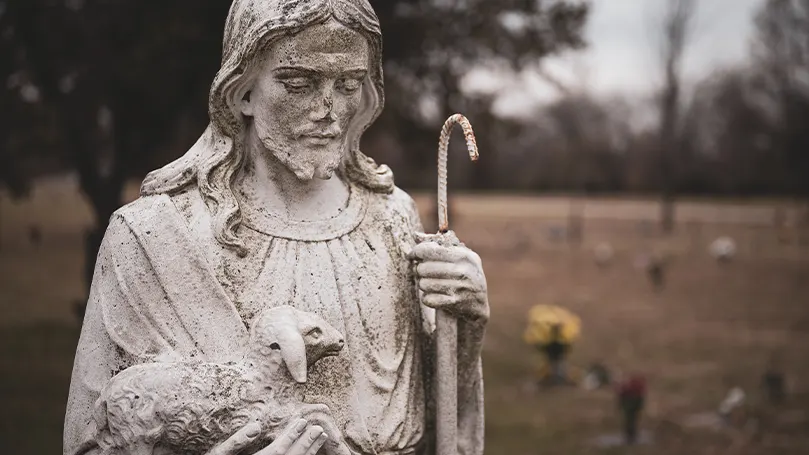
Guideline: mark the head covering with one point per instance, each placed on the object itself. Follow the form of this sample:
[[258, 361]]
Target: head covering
[[252, 25]]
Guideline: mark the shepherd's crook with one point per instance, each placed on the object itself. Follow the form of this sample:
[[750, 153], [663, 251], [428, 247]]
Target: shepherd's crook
[[446, 325]]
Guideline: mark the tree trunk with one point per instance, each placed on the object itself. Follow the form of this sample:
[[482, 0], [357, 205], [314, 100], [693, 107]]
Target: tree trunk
[[77, 113], [104, 190], [106, 196], [675, 33], [667, 213], [575, 221], [668, 149]]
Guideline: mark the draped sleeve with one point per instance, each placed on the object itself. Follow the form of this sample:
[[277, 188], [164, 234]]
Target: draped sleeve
[[470, 368], [99, 354], [144, 307]]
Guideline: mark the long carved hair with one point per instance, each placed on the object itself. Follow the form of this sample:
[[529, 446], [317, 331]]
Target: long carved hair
[[214, 161]]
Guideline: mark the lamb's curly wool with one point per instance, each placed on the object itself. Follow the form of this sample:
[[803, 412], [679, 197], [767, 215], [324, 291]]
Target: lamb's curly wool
[[188, 407]]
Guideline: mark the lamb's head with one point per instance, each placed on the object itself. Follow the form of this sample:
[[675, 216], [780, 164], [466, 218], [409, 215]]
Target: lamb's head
[[302, 338]]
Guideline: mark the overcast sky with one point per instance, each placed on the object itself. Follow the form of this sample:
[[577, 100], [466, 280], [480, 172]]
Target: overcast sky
[[621, 54]]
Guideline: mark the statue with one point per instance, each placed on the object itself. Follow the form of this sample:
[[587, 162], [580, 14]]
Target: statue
[[275, 208]]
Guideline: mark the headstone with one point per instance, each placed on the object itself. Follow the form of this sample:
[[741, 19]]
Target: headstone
[[731, 408], [603, 254], [774, 384], [556, 234], [723, 249], [35, 235], [598, 376]]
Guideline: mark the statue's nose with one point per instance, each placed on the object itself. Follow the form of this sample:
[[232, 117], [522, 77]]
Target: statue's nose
[[322, 111]]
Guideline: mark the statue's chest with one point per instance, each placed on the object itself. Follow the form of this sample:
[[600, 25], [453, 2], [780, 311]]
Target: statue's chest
[[361, 278]]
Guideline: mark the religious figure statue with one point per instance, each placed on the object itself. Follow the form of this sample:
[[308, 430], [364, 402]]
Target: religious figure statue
[[276, 211]]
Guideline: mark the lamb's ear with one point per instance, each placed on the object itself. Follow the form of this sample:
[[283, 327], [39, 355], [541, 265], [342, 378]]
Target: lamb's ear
[[293, 351]]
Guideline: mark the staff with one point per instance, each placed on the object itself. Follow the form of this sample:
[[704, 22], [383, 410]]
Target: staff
[[446, 325]]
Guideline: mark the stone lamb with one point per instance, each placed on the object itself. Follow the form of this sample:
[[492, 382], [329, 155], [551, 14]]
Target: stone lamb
[[188, 407]]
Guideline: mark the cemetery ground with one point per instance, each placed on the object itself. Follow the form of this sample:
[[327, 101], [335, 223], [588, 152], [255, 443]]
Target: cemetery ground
[[712, 327]]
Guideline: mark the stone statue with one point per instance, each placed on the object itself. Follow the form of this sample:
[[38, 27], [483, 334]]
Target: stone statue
[[275, 208]]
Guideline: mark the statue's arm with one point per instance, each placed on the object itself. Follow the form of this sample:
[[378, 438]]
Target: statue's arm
[[112, 331], [470, 372], [95, 357]]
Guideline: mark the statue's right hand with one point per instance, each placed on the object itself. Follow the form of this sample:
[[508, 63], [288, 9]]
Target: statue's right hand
[[298, 438]]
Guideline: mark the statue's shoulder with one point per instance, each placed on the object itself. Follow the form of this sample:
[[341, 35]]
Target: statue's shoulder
[[396, 206], [394, 202], [144, 208], [159, 212], [400, 196], [159, 205], [128, 222]]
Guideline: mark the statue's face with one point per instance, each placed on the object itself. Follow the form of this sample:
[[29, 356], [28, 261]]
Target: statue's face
[[307, 91]]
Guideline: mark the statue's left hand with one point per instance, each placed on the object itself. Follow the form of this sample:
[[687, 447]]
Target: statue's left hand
[[451, 277], [298, 438]]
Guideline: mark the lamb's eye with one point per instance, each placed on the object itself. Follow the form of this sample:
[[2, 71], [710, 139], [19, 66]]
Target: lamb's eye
[[315, 333]]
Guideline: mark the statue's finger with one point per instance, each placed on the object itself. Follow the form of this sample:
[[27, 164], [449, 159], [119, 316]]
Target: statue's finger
[[238, 441], [440, 301], [334, 444], [438, 285], [288, 437], [440, 270], [432, 251], [322, 418], [447, 238], [422, 237], [317, 444], [305, 441]]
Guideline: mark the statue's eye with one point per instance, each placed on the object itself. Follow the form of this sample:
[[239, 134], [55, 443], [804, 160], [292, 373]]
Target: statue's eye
[[315, 333], [348, 86], [296, 84]]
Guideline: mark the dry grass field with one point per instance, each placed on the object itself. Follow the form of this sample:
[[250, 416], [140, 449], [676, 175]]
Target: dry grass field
[[711, 328]]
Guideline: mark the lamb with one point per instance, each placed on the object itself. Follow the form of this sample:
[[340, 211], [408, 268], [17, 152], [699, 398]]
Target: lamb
[[188, 407]]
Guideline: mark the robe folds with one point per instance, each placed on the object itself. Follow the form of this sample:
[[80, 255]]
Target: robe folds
[[165, 290]]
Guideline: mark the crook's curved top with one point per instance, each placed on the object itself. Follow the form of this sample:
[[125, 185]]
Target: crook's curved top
[[443, 147]]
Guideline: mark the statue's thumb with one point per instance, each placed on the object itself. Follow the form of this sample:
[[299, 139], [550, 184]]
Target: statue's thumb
[[238, 441]]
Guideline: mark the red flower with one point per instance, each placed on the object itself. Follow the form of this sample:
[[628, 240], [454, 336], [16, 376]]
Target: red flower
[[632, 387]]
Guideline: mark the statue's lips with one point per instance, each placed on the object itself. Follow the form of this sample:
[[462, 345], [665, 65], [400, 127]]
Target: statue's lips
[[320, 138]]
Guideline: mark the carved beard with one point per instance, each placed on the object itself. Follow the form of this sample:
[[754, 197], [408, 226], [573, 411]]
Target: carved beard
[[306, 162]]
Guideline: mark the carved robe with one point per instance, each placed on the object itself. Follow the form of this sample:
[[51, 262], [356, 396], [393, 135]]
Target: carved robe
[[164, 289]]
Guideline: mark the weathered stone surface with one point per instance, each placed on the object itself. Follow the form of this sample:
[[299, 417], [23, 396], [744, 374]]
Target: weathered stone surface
[[275, 208], [192, 405]]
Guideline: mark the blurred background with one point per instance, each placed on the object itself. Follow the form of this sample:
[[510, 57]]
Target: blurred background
[[644, 178]]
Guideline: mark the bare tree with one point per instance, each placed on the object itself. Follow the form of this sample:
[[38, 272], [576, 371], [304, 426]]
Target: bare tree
[[676, 29], [781, 55], [107, 83], [433, 43]]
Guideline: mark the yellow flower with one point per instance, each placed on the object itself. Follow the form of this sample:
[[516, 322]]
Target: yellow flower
[[542, 319]]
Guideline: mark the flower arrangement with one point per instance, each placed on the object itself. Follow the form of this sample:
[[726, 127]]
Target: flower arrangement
[[552, 330]]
